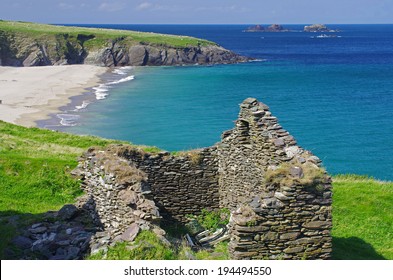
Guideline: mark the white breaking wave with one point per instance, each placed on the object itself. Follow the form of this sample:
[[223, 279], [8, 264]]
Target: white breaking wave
[[258, 60], [122, 70], [68, 119], [126, 79], [101, 91], [83, 106], [119, 72]]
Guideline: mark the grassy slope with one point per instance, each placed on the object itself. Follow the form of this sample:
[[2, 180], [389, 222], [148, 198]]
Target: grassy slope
[[34, 166], [44, 32], [362, 218], [34, 174]]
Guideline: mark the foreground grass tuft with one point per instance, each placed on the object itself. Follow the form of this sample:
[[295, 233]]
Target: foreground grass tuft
[[147, 246]]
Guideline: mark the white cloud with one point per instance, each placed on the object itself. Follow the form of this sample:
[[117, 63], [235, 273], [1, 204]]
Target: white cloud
[[144, 6], [111, 7], [65, 6], [232, 8]]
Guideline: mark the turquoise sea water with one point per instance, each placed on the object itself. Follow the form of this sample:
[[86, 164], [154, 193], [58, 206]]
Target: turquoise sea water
[[334, 95]]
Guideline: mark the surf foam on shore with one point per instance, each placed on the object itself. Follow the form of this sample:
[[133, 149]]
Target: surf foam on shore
[[30, 94], [102, 90], [117, 76]]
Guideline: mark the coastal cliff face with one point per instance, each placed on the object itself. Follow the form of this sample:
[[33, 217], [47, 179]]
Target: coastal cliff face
[[141, 55], [41, 45]]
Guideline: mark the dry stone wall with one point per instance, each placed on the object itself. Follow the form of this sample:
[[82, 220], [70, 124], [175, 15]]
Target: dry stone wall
[[180, 184], [117, 197], [279, 195], [245, 153]]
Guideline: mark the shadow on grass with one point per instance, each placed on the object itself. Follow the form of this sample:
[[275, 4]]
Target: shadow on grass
[[16, 224], [11, 224], [353, 248]]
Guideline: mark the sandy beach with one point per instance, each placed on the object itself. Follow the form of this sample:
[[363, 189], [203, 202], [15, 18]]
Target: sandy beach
[[29, 94]]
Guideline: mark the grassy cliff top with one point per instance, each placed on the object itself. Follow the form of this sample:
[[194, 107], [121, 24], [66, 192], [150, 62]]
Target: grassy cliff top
[[100, 35]]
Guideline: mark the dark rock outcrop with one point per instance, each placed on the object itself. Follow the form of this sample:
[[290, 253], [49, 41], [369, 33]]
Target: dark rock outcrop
[[255, 28], [276, 28], [317, 28], [141, 55], [270, 28], [18, 50]]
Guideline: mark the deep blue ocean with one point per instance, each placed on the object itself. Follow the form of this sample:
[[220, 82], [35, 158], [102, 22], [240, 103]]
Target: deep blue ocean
[[334, 95]]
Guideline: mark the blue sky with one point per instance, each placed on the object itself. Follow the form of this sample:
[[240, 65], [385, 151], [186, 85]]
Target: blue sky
[[198, 11]]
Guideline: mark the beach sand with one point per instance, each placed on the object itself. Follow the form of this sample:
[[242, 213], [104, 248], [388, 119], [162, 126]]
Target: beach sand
[[29, 94]]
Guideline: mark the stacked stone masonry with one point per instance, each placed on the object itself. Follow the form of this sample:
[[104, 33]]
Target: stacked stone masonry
[[276, 218], [279, 195], [117, 197], [180, 184]]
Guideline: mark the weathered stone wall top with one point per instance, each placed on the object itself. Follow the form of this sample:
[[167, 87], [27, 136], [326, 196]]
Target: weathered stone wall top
[[258, 143]]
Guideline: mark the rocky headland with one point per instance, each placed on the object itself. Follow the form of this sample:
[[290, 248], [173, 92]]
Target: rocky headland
[[270, 28], [30, 44]]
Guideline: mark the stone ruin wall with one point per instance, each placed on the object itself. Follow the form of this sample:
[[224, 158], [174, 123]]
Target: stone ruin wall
[[245, 153], [180, 184], [279, 196], [275, 218], [117, 198]]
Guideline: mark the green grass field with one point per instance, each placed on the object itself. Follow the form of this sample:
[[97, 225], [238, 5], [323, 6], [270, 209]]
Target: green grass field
[[35, 165], [362, 218], [44, 32], [34, 178]]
